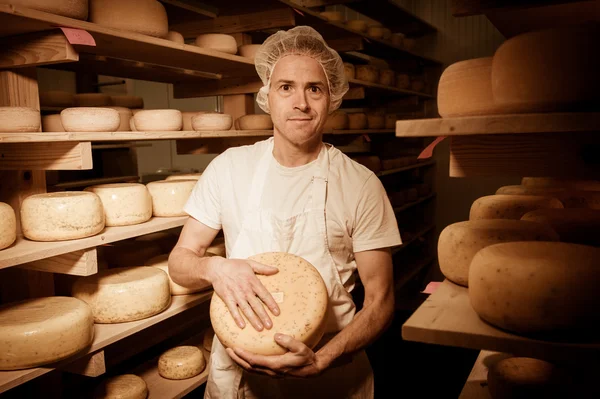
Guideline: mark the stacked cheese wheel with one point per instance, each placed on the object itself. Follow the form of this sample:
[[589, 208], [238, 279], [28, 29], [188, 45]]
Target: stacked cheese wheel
[[124, 203], [124, 386], [169, 196]]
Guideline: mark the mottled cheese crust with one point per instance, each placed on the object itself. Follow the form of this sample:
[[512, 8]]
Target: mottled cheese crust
[[61, 216], [570, 198], [19, 119], [169, 196], [211, 121], [217, 41], [255, 122], [181, 362], [8, 225], [148, 17], [124, 294], [302, 298], [504, 206], [40, 331], [158, 120], [125, 386], [162, 262], [90, 119], [124, 203]]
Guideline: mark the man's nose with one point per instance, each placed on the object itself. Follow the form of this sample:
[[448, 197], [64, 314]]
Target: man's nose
[[301, 102]]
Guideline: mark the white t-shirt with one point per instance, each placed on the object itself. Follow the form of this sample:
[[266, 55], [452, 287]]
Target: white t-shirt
[[358, 212]]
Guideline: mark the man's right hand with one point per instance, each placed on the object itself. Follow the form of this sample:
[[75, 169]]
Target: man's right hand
[[235, 281]]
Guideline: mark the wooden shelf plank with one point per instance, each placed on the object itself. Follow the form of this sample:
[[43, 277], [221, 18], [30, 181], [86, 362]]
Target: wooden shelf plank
[[77, 263], [419, 164], [379, 88], [36, 49], [104, 335], [420, 200], [191, 6], [447, 318], [463, 8], [91, 182], [24, 250], [476, 386], [38, 156]]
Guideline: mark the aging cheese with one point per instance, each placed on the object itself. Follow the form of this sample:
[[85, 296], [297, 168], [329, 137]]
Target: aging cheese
[[583, 185], [124, 294], [387, 77], [333, 16], [207, 339], [61, 216], [574, 225], [302, 299], [570, 198], [52, 123], [357, 25], [248, 50], [162, 262], [175, 37], [505, 206], [19, 119], [255, 122], [217, 41], [349, 70], [169, 196], [8, 226], [337, 120], [132, 125], [181, 362], [125, 386], [459, 242], [402, 81], [131, 102], [56, 98], [367, 73], [375, 120], [212, 121], [390, 121], [43, 330], [91, 100], [187, 119], [158, 120], [77, 9], [184, 176], [375, 31], [124, 203], [90, 119], [536, 287], [357, 121], [125, 116], [147, 17]]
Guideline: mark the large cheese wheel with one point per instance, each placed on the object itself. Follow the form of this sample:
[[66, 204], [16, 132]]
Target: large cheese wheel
[[181, 362], [158, 120], [77, 9], [90, 119], [19, 119], [187, 119], [357, 25], [162, 262], [248, 50], [56, 98], [459, 242], [184, 176], [387, 77], [255, 122], [125, 116], [61, 216], [125, 386], [367, 73], [337, 120], [124, 294], [548, 70], [357, 121], [570, 198], [126, 101], [8, 227], [124, 203], [504, 206], [147, 17], [536, 287], [132, 125], [349, 70], [175, 37], [301, 295], [465, 89], [375, 120], [584, 185], [91, 100], [217, 41], [574, 225], [212, 121], [169, 196], [52, 123], [43, 330]]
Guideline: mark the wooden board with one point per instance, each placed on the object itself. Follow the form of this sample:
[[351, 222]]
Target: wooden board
[[419, 164], [36, 49], [447, 318], [476, 385], [90, 182], [77, 263], [46, 156]]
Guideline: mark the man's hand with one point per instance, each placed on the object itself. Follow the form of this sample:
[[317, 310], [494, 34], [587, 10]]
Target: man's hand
[[235, 281], [299, 361]]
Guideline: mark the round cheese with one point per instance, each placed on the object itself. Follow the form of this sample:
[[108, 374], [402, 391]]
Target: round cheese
[[465, 89], [162, 262], [387, 33], [77, 9], [158, 120], [459, 242], [187, 119], [349, 70], [375, 32], [125, 386], [301, 295], [61, 216], [132, 125], [125, 116], [548, 70], [248, 50], [217, 41], [375, 120], [387, 77], [357, 121], [56, 98], [574, 225], [337, 120], [19, 119], [255, 122], [212, 121], [207, 339], [124, 294], [504, 206], [569, 198], [132, 102], [584, 185], [90, 119], [357, 25], [147, 17], [52, 123], [175, 37], [124, 203], [402, 81], [169, 196], [43, 330], [91, 100], [333, 16], [8, 227], [536, 287], [181, 362], [184, 176], [367, 73]]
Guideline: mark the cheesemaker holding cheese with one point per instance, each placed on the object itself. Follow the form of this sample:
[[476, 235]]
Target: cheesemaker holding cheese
[[293, 193]]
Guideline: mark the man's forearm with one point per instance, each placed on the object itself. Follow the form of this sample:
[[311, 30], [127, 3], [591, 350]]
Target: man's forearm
[[190, 270]]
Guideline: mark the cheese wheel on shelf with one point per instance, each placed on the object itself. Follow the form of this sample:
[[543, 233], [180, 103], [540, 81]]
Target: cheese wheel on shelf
[[375, 120], [337, 120], [332, 16], [212, 121], [375, 32], [169, 196], [357, 121], [8, 227], [504, 206], [175, 37], [184, 176], [132, 102], [569, 198], [584, 185], [349, 70], [91, 100], [357, 25], [574, 225], [90, 119], [465, 89], [181, 362], [125, 115], [255, 122], [147, 17], [207, 339], [301, 295], [387, 33], [124, 294], [387, 77], [124, 203], [56, 98], [52, 123], [459, 242], [217, 41], [536, 287], [162, 262], [77, 9], [125, 386], [154, 120], [248, 50], [44, 330], [61, 216], [367, 73], [187, 119], [402, 81], [390, 121], [19, 119], [132, 125]]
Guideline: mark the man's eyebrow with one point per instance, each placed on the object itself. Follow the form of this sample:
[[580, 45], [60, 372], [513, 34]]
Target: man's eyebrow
[[284, 81], [316, 83], [289, 82]]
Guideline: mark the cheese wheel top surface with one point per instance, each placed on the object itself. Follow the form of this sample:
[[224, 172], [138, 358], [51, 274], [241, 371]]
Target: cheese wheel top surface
[[148, 17], [505, 206], [125, 386], [217, 41], [184, 176], [301, 295]]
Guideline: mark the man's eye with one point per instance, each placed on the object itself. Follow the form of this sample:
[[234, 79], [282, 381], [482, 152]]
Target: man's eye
[[315, 89], [285, 87]]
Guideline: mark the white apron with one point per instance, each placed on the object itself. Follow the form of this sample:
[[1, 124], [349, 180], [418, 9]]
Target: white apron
[[304, 235]]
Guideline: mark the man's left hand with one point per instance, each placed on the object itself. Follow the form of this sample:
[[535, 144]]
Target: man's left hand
[[299, 361]]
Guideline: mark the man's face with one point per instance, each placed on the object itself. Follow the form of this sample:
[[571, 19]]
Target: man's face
[[299, 98]]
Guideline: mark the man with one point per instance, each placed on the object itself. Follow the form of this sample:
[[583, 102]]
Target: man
[[295, 194]]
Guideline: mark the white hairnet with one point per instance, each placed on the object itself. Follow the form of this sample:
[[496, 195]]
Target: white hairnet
[[301, 40]]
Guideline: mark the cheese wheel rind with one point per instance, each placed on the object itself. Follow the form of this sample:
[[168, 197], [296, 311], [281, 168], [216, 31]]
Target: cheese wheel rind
[[162, 262], [570, 198], [217, 41], [255, 122], [8, 227], [148, 17], [170, 196], [158, 120], [337, 120], [90, 119], [211, 121], [506, 206], [574, 225], [125, 386], [175, 37], [52, 123], [124, 203], [181, 362], [19, 119], [248, 50], [43, 330]]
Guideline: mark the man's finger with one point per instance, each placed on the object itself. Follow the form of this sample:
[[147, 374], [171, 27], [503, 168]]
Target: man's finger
[[289, 343], [259, 268], [266, 297], [233, 309], [259, 309]]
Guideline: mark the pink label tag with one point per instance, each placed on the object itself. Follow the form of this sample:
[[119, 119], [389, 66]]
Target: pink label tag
[[298, 11], [428, 151], [367, 138], [431, 287], [79, 36]]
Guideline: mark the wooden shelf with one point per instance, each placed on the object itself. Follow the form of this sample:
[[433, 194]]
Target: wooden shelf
[[91, 182], [106, 334], [419, 201], [447, 318], [418, 235], [419, 164], [24, 250], [476, 386], [379, 88]]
